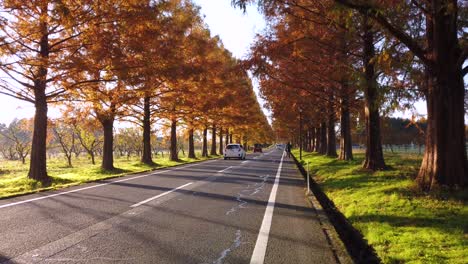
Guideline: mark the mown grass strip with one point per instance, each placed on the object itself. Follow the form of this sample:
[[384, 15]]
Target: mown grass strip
[[401, 223], [13, 180]]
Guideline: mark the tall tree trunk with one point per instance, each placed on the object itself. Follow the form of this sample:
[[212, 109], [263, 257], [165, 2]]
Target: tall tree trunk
[[445, 160], [38, 163], [69, 161], [230, 138], [108, 149], [323, 138], [213, 141], [331, 138], [221, 141], [346, 145], [227, 136], [174, 154], [318, 133], [91, 154], [312, 139], [318, 140], [146, 157], [205, 143], [191, 151], [374, 159]]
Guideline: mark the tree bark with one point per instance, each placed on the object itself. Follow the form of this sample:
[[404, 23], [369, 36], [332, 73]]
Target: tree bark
[[108, 149], [38, 163], [146, 157], [91, 154], [227, 136], [323, 138], [445, 160], [191, 151], [205, 143], [318, 133], [318, 140], [174, 154], [374, 159], [312, 139], [346, 145], [331, 138], [230, 138], [213, 141], [221, 141], [69, 161]]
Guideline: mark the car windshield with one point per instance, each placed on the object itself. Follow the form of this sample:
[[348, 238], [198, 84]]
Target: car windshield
[[232, 147]]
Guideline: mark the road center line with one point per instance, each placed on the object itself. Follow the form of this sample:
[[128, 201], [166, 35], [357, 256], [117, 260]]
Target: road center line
[[98, 185], [258, 255], [160, 195]]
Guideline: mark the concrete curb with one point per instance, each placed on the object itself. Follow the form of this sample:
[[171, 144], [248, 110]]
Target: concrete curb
[[349, 244]]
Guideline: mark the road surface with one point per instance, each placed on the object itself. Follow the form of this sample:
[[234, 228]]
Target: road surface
[[218, 211]]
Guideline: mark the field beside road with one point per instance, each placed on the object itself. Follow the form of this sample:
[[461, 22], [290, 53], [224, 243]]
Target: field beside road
[[14, 181], [401, 223]]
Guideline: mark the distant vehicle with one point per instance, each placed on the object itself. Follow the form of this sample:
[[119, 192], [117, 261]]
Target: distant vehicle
[[257, 148], [279, 146], [234, 151]]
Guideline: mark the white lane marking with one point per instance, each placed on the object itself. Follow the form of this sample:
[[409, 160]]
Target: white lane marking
[[221, 171], [160, 195], [98, 185], [258, 255]]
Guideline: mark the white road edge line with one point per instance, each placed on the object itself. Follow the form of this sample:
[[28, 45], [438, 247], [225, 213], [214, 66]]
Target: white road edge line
[[99, 185], [160, 195], [258, 255]]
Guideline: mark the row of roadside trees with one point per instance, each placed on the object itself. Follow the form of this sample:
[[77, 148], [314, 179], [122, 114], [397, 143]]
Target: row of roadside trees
[[324, 63], [135, 61], [71, 141]]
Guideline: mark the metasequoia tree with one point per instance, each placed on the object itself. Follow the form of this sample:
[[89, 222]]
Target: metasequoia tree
[[439, 45], [157, 59], [299, 57], [40, 40], [106, 69], [443, 52]]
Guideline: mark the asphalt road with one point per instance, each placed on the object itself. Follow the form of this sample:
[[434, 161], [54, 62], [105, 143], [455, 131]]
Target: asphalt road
[[218, 211]]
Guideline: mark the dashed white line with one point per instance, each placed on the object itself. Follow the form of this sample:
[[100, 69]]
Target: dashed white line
[[160, 195], [259, 252]]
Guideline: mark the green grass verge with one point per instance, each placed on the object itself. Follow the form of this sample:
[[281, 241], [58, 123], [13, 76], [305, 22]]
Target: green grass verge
[[13, 180], [401, 223]]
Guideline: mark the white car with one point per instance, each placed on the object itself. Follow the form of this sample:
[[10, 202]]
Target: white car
[[234, 151]]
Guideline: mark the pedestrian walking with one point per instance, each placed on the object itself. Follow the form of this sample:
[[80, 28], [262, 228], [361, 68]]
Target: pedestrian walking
[[288, 149]]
